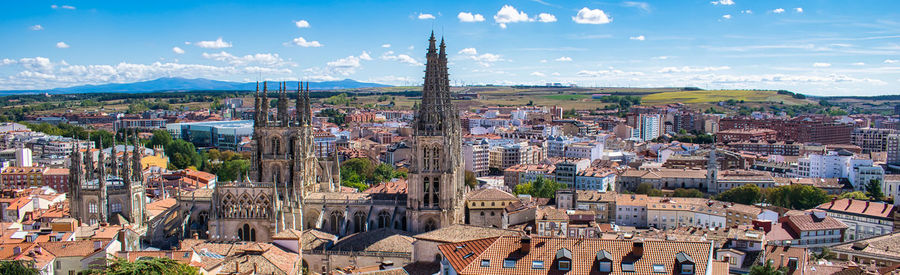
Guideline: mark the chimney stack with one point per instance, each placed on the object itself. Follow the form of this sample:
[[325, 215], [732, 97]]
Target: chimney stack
[[638, 248], [98, 245], [526, 244]]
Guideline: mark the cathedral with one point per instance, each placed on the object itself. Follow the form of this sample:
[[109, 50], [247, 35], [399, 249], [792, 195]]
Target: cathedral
[[289, 188], [107, 190]]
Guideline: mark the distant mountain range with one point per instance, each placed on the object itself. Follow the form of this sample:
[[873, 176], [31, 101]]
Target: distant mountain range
[[186, 84]]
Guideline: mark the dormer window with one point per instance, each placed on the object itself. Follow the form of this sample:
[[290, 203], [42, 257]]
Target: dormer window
[[604, 260], [685, 262], [563, 259]]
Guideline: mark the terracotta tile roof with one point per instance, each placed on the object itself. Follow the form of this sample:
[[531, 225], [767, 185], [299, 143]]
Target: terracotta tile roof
[[317, 240], [467, 257], [395, 186], [382, 240], [859, 207], [463, 232], [80, 248], [810, 222], [780, 255], [490, 194]]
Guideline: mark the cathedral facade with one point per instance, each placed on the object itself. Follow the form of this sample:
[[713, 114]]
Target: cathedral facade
[[108, 189], [436, 176], [282, 172]]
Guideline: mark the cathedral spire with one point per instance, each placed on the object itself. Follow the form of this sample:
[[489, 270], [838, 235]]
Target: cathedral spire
[[264, 111], [307, 113], [256, 117], [436, 106], [282, 105], [298, 105]]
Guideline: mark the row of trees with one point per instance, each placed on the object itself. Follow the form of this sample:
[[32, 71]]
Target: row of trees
[[360, 173], [539, 188], [119, 266], [795, 196]]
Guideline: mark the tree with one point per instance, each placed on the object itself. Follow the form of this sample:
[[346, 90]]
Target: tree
[[106, 137], [160, 137], [232, 170], [182, 154], [687, 193], [145, 265], [360, 167], [540, 188], [856, 195], [767, 269], [823, 255], [647, 189], [797, 196], [873, 189], [470, 179], [383, 172], [17, 268], [745, 194]]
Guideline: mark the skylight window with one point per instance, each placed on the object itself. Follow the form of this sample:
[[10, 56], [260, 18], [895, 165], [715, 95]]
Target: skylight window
[[537, 264], [509, 263], [485, 263], [658, 268]]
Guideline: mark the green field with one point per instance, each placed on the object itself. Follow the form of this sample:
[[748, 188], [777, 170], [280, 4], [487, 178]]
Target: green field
[[713, 96]]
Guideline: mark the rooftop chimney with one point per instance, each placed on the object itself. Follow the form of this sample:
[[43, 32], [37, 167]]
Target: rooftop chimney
[[638, 247], [526, 244], [98, 245]]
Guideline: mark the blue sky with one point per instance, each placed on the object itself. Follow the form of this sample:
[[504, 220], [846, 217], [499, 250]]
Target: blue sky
[[813, 47]]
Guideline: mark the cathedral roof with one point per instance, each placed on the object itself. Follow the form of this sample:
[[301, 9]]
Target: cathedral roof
[[380, 240]]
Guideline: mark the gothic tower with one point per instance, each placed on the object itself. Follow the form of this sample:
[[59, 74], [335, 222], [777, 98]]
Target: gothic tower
[[436, 177]]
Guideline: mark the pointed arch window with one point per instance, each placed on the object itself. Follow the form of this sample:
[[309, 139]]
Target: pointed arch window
[[426, 193], [436, 190], [359, 222], [384, 219]]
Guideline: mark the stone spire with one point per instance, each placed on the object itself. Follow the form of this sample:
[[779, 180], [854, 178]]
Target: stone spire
[[256, 115], [264, 111], [114, 155], [299, 106], [101, 183], [435, 114], [336, 171], [75, 179], [283, 118], [136, 155]]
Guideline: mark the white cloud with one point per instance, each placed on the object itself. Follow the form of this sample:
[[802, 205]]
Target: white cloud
[[564, 59], [65, 7], [662, 57], [267, 59], [392, 80], [858, 64], [591, 16], [385, 45], [36, 27], [543, 61], [727, 16], [723, 2], [300, 41], [509, 14], [538, 74], [610, 72], [641, 5], [821, 65], [469, 17], [389, 56], [689, 69], [891, 61], [365, 56], [344, 66], [7, 61], [639, 38], [546, 18], [177, 50], [302, 24], [747, 11], [216, 44], [469, 51], [798, 10], [778, 10], [62, 45], [425, 16], [555, 74]]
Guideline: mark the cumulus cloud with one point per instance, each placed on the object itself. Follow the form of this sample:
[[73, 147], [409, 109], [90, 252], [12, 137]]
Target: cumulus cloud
[[470, 17], [42, 73], [821, 65], [858, 64], [485, 59], [36, 27], [469, 51], [546, 18], [555, 74], [301, 24], [425, 16], [215, 44], [344, 66], [639, 38], [64, 7], [300, 41], [402, 58], [538, 74], [591, 16], [177, 50], [391, 79], [727, 16], [891, 61], [778, 10], [62, 45], [509, 14], [564, 59], [723, 2], [747, 11], [689, 69], [385, 45], [798, 10], [267, 59], [610, 72], [365, 56]]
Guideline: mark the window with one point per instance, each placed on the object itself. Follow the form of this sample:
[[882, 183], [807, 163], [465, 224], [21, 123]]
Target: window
[[628, 267], [537, 264], [658, 268], [485, 263], [509, 263], [565, 265], [687, 269], [605, 267]]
